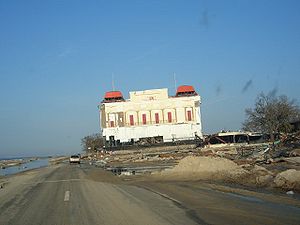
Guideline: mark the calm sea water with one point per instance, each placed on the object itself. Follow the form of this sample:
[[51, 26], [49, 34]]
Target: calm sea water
[[25, 166]]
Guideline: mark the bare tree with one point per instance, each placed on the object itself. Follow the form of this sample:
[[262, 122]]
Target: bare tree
[[271, 114], [92, 142]]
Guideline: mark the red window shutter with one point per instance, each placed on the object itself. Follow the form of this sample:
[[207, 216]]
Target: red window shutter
[[156, 118], [144, 119], [112, 124], [169, 117], [131, 120], [189, 114]]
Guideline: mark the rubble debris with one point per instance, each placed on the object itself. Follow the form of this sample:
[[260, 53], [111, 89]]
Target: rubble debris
[[290, 193], [291, 140], [295, 152], [100, 163], [266, 164], [293, 160], [127, 173]]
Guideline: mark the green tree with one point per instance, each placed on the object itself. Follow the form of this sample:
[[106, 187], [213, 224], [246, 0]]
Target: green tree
[[271, 114]]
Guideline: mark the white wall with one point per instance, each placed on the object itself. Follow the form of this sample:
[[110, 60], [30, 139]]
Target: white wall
[[177, 131]]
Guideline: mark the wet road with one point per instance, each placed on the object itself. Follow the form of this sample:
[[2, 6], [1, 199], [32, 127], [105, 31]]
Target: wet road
[[81, 194], [66, 195]]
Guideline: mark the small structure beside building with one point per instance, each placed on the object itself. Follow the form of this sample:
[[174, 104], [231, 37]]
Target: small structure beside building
[[150, 116], [237, 137]]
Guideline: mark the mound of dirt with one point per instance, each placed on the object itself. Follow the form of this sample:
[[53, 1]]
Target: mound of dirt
[[192, 167], [289, 179]]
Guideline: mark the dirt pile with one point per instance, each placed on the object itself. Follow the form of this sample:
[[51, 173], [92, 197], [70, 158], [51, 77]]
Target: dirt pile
[[222, 169], [289, 179], [192, 167], [259, 176]]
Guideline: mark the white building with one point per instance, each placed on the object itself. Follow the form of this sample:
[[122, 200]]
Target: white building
[[151, 116]]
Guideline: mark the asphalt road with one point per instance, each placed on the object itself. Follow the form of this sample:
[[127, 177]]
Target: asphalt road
[[66, 195], [82, 194]]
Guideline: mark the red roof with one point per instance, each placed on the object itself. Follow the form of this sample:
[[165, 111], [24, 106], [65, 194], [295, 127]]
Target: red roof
[[113, 94], [185, 88]]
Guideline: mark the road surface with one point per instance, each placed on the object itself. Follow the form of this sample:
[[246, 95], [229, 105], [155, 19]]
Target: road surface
[[66, 195], [81, 194]]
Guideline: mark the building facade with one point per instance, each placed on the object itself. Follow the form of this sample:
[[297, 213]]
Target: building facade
[[151, 116]]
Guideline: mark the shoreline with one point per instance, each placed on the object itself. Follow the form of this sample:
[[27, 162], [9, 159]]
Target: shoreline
[[17, 166], [6, 163], [10, 162]]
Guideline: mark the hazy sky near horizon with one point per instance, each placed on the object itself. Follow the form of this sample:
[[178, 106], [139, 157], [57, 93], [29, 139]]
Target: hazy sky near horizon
[[57, 59]]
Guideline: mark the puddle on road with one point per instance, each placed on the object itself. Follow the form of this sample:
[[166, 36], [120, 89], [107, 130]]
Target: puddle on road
[[248, 198]]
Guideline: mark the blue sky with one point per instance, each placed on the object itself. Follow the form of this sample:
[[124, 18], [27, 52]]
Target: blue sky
[[57, 59]]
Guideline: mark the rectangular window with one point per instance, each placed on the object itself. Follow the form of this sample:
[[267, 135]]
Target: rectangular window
[[131, 120], [189, 115], [144, 118], [156, 118], [112, 124], [169, 117]]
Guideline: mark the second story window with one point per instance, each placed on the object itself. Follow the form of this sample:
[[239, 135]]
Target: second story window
[[156, 118], [169, 117], [144, 119], [189, 115], [131, 120]]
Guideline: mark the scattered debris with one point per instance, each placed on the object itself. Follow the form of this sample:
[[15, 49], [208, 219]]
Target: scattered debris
[[127, 173], [100, 163], [293, 160], [290, 193], [295, 152], [255, 163]]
